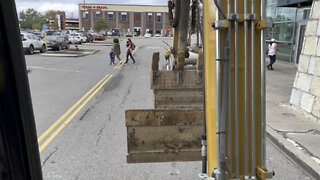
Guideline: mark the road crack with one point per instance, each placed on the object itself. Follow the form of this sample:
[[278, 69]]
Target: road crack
[[109, 117], [84, 114], [101, 131], [47, 158], [125, 97]]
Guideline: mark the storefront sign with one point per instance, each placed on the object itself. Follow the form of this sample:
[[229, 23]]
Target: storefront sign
[[94, 7]]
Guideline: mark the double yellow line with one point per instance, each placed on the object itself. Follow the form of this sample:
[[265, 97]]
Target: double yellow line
[[119, 66], [45, 138]]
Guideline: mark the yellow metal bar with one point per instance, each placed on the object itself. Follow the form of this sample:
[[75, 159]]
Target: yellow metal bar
[[210, 89], [175, 42], [210, 82]]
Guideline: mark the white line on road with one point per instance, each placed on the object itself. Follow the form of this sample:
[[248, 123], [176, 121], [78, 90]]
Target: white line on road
[[53, 69]]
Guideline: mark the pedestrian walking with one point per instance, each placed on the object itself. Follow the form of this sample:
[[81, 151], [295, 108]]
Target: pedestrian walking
[[116, 49], [130, 47], [111, 55], [272, 52]]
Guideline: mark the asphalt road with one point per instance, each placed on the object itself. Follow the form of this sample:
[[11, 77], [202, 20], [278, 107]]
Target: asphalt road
[[92, 145]]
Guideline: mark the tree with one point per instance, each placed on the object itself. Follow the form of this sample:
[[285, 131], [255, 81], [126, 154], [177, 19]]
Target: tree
[[100, 25], [51, 15], [36, 26], [29, 18]]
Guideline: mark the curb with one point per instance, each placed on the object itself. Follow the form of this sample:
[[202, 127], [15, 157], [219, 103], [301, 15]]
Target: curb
[[297, 156], [98, 44], [80, 54]]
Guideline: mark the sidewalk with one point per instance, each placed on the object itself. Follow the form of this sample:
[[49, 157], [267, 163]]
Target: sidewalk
[[288, 127]]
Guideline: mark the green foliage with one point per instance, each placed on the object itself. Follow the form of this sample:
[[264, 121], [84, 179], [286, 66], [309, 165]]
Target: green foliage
[[36, 26], [100, 25], [30, 18], [50, 14]]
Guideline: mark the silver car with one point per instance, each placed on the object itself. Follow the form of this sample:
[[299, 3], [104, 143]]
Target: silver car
[[32, 42]]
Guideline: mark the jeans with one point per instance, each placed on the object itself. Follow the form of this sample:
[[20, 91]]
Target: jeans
[[127, 58], [272, 60]]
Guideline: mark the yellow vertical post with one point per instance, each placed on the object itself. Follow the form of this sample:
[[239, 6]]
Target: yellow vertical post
[[210, 82], [247, 67], [175, 41]]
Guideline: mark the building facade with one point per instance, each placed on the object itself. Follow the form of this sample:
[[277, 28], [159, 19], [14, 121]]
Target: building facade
[[72, 24], [127, 18], [289, 18], [306, 89]]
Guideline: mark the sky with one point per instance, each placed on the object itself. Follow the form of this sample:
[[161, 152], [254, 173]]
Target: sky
[[71, 6]]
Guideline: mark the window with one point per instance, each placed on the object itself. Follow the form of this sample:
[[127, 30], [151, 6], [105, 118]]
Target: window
[[98, 15], [284, 31], [286, 14], [269, 2], [123, 16], [303, 14], [271, 11], [85, 14], [149, 17], [158, 18], [110, 16]]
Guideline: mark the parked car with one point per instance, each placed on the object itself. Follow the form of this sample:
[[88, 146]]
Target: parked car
[[109, 33], [77, 38], [116, 32], [157, 35], [39, 34], [32, 42], [128, 34], [50, 32], [147, 35], [90, 37], [99, 37], [57, 42]]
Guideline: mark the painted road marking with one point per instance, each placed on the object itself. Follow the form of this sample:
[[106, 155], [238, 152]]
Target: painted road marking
[[53, 69], [92, 92], [120, 65]]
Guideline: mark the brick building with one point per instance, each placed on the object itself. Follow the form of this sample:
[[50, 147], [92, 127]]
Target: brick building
[[72, 24], [127, 18]]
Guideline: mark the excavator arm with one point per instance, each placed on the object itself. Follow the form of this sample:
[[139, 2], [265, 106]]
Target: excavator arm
[[215, 110]]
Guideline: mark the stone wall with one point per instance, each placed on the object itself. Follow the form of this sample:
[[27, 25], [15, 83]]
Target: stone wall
[[306, 89]]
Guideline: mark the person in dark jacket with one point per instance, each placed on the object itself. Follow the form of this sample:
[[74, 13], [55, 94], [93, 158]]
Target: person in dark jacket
[[111, 54], [129, 51], [116, 49]]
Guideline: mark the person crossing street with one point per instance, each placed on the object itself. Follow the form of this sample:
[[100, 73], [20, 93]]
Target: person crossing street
[[130, 47]]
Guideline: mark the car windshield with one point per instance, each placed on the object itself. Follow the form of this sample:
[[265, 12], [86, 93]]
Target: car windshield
[[52, 37], [56, 33], [50, 32]]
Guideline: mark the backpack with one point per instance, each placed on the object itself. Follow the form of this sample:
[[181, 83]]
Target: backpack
[[133, 46]]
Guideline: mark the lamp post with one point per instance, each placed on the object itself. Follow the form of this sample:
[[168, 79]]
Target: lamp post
[[84, 11], [44, 30]]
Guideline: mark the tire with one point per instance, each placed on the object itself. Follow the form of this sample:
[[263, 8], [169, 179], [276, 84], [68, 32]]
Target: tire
[[43, 49], [59, 47], [31, 49]]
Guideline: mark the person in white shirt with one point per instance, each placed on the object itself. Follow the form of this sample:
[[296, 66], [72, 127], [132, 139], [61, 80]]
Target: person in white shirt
[[272, 52]]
